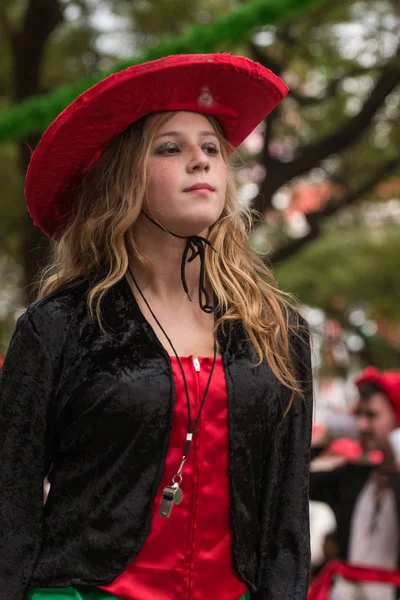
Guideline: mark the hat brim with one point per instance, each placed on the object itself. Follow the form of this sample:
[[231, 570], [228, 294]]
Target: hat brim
[[237, 91]]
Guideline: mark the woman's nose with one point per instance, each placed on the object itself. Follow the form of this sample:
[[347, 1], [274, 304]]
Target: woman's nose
[[199, 161]]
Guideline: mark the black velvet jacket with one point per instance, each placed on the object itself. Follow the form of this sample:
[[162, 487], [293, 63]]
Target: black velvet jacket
[[100, 408]]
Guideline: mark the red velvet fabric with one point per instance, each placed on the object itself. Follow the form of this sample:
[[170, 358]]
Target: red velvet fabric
[[188, 556], [321, 586]]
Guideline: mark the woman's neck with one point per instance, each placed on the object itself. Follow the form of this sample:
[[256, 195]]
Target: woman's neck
[[164, 253], [162, 293]]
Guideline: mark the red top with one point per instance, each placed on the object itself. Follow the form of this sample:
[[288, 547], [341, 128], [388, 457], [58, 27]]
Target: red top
[[188, 555]]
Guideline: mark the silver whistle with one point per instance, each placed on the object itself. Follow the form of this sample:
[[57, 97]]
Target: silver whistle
[[172, 494]]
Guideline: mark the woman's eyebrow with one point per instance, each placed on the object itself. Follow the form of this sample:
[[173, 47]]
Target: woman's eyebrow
[[180, 134]]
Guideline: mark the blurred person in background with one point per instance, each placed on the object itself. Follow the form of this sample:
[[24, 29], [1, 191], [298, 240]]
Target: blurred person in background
[[161, 375], [365, 497]]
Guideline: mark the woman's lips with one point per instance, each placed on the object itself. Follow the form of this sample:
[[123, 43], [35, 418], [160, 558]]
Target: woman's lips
[[200, 192], [200, 189], [200, 186]]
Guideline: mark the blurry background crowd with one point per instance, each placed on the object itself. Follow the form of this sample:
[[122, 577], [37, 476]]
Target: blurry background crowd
[[323, 173]]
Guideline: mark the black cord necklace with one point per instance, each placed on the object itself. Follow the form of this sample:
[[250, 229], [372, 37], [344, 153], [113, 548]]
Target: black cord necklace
[[195, 245], [173, 494]]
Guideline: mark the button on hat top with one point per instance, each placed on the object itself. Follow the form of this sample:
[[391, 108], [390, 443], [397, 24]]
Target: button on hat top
[[206, 97]]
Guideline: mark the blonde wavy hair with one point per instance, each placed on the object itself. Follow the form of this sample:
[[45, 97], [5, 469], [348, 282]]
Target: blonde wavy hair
[[99, 240]]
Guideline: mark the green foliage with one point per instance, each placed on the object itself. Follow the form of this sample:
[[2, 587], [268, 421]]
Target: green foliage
[[35, 114], [156, 18], [355, 267]]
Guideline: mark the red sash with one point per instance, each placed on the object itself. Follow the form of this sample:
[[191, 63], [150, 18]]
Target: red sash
[[320, 587]]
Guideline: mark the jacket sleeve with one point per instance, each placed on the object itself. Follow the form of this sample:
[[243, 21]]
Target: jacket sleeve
[[25, 388], [324, 485], [284, 514]]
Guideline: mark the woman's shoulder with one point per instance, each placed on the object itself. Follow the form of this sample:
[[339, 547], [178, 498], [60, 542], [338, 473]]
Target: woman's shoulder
[[297, 324], [52, 315], [62, 301], [46, 324]]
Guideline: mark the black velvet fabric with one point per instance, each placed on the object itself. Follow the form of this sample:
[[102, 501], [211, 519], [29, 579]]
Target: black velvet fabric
[[98, 408]]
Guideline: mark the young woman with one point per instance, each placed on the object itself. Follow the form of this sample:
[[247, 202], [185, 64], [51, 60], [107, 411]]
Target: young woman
[[161, 381]]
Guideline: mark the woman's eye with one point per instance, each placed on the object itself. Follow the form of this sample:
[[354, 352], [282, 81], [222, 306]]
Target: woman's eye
[[210, 148], [168, 148]]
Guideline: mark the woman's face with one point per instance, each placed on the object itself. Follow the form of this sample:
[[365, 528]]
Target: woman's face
[[186, 152]]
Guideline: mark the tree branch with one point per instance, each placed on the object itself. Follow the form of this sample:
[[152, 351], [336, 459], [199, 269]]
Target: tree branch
[[333, 84], [351, 131], [316, 219], [272, 64], [310, 156], [265, 60]]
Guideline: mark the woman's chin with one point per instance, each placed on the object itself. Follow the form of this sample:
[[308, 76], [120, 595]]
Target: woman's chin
[[193, 225]]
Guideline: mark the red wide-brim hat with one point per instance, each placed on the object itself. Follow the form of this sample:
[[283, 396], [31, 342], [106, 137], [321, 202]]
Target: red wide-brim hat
[[240, 93], [387, 381]]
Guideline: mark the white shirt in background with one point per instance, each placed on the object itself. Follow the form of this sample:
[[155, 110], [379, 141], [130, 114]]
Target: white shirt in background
[[377, 548]]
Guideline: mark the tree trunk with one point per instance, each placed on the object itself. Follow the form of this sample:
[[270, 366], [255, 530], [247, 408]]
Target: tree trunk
[[35, 246], [28, 44]]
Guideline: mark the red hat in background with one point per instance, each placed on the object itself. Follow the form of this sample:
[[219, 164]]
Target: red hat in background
[[352, 451], [240, 93], [387, 381], [346, 447]]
